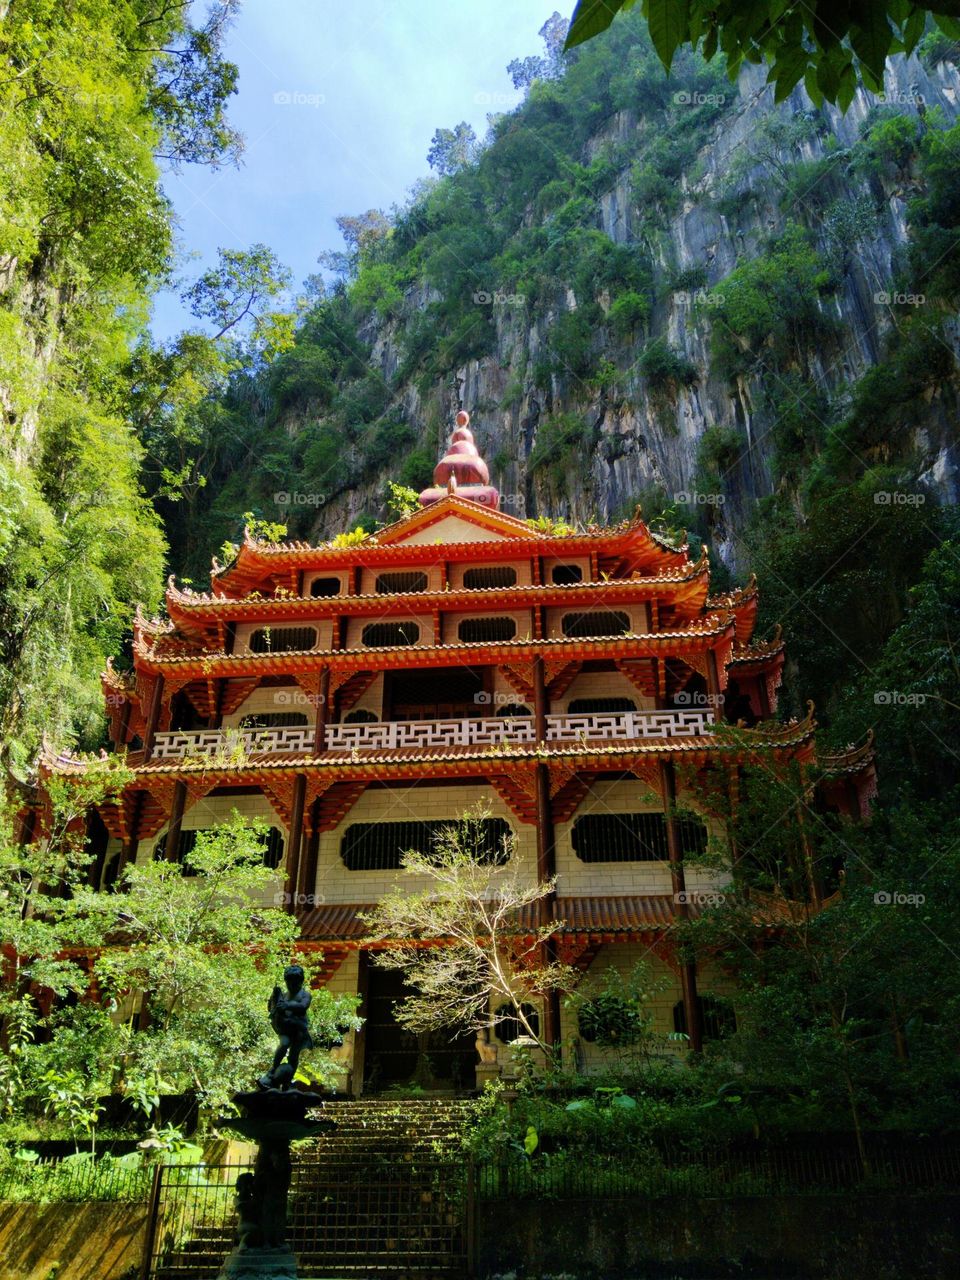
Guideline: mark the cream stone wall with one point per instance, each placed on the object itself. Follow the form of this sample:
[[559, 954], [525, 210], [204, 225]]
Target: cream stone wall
[[368, 577], [355, 628], [600, 684], [271, 699], [323, 626], [584, 879], [523, 569], [522, 617], [637, 613], [370, 700], [450, 529], [413, 804], [345, 982]]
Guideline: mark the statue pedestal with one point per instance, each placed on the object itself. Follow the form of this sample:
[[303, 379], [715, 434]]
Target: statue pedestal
[[272, 1118]]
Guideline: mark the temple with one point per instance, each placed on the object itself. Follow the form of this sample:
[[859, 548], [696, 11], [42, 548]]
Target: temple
[[355, 695]]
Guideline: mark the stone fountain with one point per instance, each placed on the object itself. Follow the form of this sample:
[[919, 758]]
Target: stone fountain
[[273, 1115]]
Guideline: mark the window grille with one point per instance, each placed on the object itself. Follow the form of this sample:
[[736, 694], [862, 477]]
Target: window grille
[[563, 575], [391, 583], [381, 635], [493, 575], [325, 587], [600, 706], [283, 639], [633, 837], [379, 846], [360, 716], [509, 1026], [595, 624], [272, 846], [717, 1018], [477, 630], [273, 720]]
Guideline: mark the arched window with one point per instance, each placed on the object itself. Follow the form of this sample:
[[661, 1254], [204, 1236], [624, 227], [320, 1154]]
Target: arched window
[[325, 587], [600, 706], [717, 1017], [633, 837], [379, 846], [509, 1026], [564, 575], [384, 635], [494, 575], [595, 624], [397, 583], [360, 716], [283, 639], [479, 630]]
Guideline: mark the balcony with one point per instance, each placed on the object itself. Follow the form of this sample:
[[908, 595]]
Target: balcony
[[406, 735]]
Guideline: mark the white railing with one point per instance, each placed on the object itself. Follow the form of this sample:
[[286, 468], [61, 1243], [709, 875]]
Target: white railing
[[394, 735]]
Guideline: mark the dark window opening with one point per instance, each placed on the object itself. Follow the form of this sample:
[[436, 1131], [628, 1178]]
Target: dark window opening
[[634, 837], [600, 706], [595, 624], [509, 1027], [392, 583], [717, 1017], [272, 847], [435, 693], [273, 720], [283, 639], [382, 635], [564, 575], [379, 846], [514, 709], [325, 587], [479, 630], [494, 575], [360, 716]]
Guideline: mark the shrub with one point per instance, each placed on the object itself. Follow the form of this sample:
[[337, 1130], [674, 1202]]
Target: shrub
[[630, 312], [665, 368]]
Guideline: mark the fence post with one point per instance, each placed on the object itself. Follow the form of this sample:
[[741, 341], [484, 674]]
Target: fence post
[[471, 1217], [152, 1222]]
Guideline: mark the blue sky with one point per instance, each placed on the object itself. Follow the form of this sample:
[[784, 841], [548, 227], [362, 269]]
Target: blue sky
[[338, 103]]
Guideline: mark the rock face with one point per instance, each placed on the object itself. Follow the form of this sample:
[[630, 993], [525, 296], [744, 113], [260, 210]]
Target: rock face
[[645, 439]]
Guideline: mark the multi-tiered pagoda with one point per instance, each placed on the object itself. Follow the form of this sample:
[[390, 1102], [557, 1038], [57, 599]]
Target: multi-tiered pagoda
[[355, 696]]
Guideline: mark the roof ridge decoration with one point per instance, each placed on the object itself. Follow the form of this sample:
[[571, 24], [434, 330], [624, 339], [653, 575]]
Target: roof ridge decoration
[[462, 471]]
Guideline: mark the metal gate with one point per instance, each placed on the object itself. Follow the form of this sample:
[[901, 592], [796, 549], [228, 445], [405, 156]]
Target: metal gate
[[398, 1218]]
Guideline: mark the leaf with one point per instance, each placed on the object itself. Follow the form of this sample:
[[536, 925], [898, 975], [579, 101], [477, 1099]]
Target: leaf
[[590, 18], [624, 1102], [871, 39], [531, 1141], [788, 70], [579, 1104], [669, 22]]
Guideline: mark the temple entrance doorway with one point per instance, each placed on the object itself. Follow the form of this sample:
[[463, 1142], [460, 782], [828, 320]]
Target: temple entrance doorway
[[436, 1061]]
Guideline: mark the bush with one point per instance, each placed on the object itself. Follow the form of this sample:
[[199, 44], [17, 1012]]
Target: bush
[[630, 312], [665, 368]]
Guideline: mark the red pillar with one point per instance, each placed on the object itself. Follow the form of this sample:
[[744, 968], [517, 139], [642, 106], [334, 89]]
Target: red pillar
[[296, 839], [688, 969]]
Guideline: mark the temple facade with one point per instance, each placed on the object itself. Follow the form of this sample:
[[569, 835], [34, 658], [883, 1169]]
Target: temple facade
[[354, 695]]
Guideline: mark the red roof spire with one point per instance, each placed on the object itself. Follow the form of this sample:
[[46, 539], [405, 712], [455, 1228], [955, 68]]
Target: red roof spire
[[462, 471]]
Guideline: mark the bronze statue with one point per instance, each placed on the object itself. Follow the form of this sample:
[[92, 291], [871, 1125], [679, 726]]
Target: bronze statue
[[288, 1017]]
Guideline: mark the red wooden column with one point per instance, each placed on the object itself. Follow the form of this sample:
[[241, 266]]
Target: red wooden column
[[713, 685], [546, 849], [128, 849], [177, 807], [296, 839], [688, 969], [322, 713], [153, 717]]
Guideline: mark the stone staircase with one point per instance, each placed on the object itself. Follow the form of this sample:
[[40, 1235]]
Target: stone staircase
[[384, 1194]]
